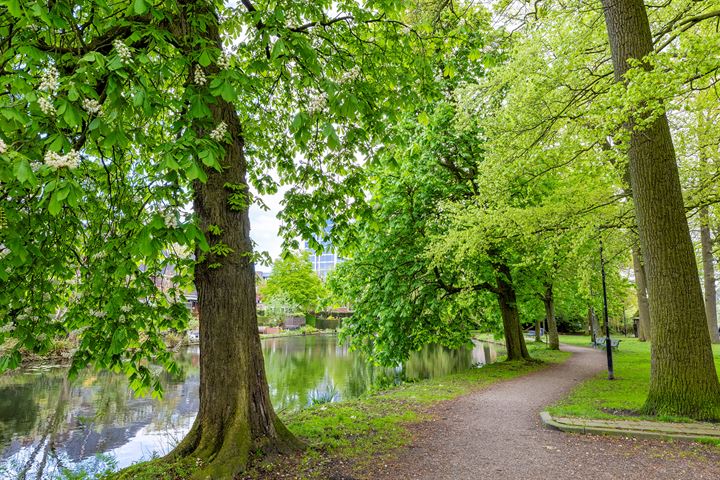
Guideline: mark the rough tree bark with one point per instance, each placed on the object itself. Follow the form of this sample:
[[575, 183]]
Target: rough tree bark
[[706, 245], [548, 299], [683, 380], [514, 339], [538, 329], [235, 419], [641, 292]]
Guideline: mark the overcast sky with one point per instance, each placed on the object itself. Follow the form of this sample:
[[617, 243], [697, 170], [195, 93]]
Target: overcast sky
[[264, 227]]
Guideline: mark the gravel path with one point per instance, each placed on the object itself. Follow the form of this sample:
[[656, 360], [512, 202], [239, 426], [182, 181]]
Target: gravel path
[[496, 433]]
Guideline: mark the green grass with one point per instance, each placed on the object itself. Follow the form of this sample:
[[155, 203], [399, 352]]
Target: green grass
[[600, 398]]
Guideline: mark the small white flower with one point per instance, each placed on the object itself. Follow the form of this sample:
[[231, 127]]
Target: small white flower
[[219, 133], [46, 297], [3, 146], [126, 308], [223, 61], [199, 76], [317, 104], [50, 80], [98, 313], [92, 106], [123, 51], [351, 75], [47, 106]]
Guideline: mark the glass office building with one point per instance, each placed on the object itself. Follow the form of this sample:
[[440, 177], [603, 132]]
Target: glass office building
[[325, 262]]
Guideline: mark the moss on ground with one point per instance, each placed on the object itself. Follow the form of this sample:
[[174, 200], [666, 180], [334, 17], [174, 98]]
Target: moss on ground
[[622, 397]]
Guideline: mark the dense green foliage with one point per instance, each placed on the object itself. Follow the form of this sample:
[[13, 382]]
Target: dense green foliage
[[107, 130], [293, 279]]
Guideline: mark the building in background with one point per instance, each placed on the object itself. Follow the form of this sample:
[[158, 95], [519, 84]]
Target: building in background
[[325, 262]]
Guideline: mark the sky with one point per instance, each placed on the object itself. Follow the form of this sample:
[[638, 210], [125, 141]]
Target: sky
[[264, 227]]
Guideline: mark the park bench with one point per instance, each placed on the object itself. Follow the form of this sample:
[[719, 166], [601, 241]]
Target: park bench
[[600, 342]]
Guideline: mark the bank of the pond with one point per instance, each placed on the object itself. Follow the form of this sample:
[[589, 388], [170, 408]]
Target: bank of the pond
[[599, 398], [345, 436]]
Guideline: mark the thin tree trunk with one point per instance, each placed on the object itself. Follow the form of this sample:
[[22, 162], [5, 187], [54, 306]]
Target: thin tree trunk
[[538, 328], [514, 339], [593, 322], [709, 275], [235, 419], [549, 302], [641, 291], [683, 379]]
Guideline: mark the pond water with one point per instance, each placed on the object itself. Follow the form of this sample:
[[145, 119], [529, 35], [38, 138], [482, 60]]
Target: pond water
[[48, 423]]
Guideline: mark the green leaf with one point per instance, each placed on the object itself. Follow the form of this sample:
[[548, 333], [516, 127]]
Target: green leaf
[[195, 172], [278, 49], [205, 58], [54, 206], [13, 7], [331, 135], [23, 172], [140, 7], [424, 119]]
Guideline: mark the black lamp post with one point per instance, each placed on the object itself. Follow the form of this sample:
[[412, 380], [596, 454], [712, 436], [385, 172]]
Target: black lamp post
[[608, 343]]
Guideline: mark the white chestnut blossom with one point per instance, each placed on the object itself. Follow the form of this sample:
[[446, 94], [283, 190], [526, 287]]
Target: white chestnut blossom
[[55, 160], [126, 308], [50, 80], [92, 106], [47, 106], [317, 104], [3, 146], [170, 220], [98, 313], [199, 76], [351, 75], [219, 133], [7, 328], [224, 61], [123, 51]]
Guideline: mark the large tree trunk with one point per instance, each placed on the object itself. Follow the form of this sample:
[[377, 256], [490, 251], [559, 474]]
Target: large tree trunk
[[514, 339], [708, 275], [641, 291], [683, 380], [235, 419], [549, 302]]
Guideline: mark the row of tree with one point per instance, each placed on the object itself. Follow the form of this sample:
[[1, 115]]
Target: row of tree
[[465, 157]]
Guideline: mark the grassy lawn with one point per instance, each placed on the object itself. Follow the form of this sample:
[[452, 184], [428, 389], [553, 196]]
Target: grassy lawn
[[600, 398], [358, 431]]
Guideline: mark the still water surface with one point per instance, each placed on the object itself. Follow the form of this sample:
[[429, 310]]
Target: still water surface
[[48, 423]]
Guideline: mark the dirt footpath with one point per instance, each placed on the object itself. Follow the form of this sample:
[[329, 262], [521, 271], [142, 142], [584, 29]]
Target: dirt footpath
[[496, 434]]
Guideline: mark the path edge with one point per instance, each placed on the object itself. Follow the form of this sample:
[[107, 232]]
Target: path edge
[[550, 422]]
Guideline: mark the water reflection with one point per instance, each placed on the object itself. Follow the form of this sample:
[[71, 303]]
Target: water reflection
[[48, 423]]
